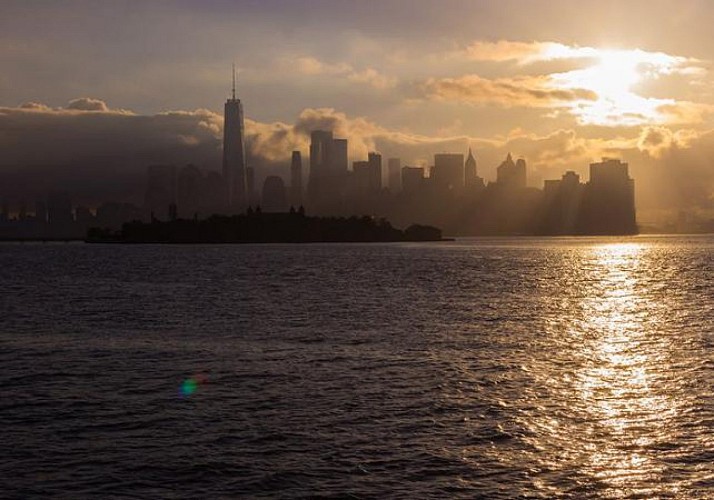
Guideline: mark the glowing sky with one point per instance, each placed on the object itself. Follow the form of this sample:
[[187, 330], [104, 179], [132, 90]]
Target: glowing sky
[[559, 82]]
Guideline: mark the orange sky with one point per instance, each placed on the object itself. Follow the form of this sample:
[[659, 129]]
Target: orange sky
[[561, 83]]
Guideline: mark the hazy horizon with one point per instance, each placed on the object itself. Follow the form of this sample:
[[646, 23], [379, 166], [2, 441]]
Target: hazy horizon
[[93, 92]]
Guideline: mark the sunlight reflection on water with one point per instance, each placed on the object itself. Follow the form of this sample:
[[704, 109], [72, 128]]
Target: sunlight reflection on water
[[614, 377], [503, 368]]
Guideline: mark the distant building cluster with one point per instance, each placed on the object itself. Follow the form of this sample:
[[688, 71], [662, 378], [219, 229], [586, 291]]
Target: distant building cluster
[[449, 194]]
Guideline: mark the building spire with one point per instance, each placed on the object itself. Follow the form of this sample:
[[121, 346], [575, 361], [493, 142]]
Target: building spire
[[233, 90]]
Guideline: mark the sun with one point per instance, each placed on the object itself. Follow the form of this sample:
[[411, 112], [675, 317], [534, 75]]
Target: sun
[[613, 77]]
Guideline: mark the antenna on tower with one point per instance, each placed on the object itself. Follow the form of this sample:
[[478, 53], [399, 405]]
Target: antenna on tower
[[234, 82]]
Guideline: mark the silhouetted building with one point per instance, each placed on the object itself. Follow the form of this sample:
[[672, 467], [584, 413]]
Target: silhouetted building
[[189, 191], [59, 209], [250, 178], [448, 172], [471, 178], [394, 173], [360, 178], [511, 175], [412, 180], [234, 161], [328, 170], [562, 205], [296, 179], [609, 200], [160, 190], [274, 195], [339, 156], [375, 172], [213, 194]]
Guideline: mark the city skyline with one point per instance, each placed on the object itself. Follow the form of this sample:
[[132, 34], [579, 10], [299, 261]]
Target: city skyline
[[496, 77]]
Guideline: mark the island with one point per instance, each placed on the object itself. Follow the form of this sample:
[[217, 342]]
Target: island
[[257, 227]]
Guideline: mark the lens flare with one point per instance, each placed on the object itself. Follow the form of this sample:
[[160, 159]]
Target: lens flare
[[190, 385]]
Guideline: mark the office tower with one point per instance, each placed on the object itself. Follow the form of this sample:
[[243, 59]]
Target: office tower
[[274, 195], [511, 175], [212, 193], [412, 180], [234, 162], [473, 182], [562, 200], [375, 172], [296, 179], [394, 175], [160, 190], [448, 172], [320, 158], [360, 178], [252, 198], [189, 191], [470, 173], [339, 157], [59, 209], [609, 200], [328, 169]]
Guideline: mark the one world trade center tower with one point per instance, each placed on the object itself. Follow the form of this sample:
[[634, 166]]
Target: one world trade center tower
[[234, 164]]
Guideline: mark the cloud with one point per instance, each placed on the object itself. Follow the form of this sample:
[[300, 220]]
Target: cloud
[[35, 105], [313, 66], [537, 51], [97, 152], [369, 76], [523, 52], [100, 155], [529, 91], [660, 141], [87, 104], [605, 87]]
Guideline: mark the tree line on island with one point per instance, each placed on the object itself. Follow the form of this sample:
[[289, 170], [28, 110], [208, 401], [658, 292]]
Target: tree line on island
[[257, 227]]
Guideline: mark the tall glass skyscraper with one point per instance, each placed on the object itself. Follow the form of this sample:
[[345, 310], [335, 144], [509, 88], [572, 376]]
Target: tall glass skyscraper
[[234, 164]]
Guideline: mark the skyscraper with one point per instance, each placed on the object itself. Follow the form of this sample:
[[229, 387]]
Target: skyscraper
[[471, 178], [448, 172], [320, 160], [609, 200], [375, 171], [394, 172], [234, 164], [511, 175], [296, 179], [328, 170], [161, 187]]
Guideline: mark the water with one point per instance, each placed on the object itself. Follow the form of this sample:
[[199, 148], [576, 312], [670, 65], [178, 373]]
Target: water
[[492, 368]]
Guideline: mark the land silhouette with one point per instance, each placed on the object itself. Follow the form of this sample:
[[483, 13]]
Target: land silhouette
[[258, 227]]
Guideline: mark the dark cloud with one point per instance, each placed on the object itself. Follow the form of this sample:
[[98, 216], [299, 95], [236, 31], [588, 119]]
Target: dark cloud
[[101, 153], [92, 150]]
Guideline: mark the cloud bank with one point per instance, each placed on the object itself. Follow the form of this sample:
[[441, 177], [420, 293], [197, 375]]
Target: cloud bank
[[98, 153]]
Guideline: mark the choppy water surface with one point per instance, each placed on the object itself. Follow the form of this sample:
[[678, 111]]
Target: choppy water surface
[[574, 368]]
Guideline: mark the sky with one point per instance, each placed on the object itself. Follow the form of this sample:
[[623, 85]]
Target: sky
[[93, 91]]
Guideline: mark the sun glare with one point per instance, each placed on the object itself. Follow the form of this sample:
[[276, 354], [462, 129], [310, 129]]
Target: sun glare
[[613, 77]]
